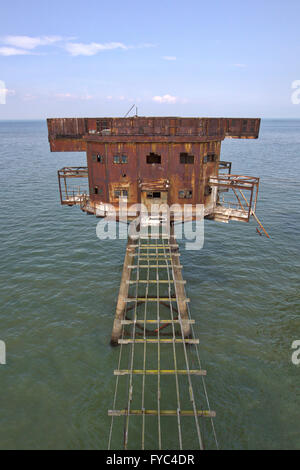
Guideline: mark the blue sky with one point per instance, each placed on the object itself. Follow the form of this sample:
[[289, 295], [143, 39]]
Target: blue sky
[[190, 58]]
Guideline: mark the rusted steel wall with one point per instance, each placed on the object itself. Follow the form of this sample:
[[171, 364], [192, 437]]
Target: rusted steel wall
[[107, 176], [71, 133]]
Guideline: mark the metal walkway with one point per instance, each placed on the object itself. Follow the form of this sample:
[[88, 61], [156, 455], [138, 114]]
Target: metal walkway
[[160, 385]]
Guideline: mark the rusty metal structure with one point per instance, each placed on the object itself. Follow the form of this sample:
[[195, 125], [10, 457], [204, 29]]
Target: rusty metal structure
[[156, 161], [147, 160]]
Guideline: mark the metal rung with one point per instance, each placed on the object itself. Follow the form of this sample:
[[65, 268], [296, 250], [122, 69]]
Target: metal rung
[[157, 259], [155, 341], [200, 413], [155, 266], [154, 281], [161, 255], [164, 322], [161, 372], [153, 246], [154, 238], [155, 299]]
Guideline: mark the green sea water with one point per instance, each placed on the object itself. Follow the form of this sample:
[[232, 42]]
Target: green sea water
[[58, 289]]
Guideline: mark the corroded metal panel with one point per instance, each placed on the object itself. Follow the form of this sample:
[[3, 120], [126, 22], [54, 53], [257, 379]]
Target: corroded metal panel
[[111, 173], [72, 133], [67, 145]]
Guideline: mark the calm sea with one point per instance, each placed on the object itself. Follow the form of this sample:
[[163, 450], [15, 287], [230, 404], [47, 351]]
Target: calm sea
[[58, 293]]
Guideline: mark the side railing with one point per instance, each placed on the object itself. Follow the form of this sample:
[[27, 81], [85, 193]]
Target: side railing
[[225, 166], [245, 190], [72, 193]]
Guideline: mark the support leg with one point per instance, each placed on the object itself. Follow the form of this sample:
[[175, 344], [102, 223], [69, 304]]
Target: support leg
[[123, 294]]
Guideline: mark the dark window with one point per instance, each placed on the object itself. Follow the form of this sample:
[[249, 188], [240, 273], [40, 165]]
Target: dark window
[[101, 125], [153, 158], [245, 126], [185, 194], [211, 157], [154, 195], [97, 190], [120, 159], [207, 191], [121, 193], [98, 158], [185, 158]]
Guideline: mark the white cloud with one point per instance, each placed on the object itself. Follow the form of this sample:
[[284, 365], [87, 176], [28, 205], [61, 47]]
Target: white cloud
[[71, 96], [10, 51], [23, 45], [65, 95], [93, 48], [170, 57], [30, 43], [165, 99]]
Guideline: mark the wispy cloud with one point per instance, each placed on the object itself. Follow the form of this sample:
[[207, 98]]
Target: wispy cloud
[[165, 99], [30, 43], [241, 66], [93, 48], [64, 95], [10, 51], [72, 96], [25, 45], [169, 57]]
